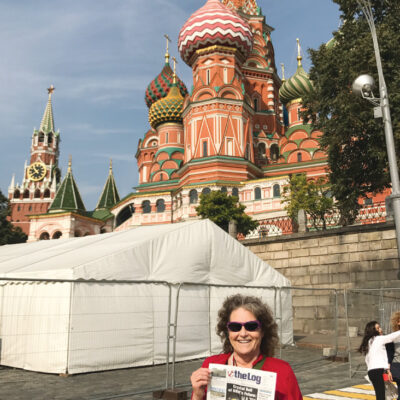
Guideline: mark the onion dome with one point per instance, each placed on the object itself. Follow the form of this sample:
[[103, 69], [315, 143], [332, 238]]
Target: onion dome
[[297, 86], [161, 85], [214, 24], [167, 109]]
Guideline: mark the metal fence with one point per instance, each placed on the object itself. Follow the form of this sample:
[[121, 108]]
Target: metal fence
[[284, 225], [362, 306], [61, 312]]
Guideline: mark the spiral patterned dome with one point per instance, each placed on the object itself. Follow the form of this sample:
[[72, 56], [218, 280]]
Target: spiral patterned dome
[[160, 86], [295, 87], [167, 109], [214, 24]]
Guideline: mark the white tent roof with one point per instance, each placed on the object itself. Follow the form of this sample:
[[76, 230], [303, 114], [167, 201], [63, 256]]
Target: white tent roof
[[195, 251]]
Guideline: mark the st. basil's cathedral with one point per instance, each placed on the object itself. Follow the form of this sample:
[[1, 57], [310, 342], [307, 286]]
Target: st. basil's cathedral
[[238, 130]]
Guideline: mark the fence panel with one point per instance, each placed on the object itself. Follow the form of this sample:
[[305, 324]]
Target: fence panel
[[361, 307]]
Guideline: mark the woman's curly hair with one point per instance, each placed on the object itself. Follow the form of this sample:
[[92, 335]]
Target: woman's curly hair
[[394, 321], [260, 310]]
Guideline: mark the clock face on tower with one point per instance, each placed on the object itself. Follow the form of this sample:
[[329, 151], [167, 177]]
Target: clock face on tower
[[37, 171]]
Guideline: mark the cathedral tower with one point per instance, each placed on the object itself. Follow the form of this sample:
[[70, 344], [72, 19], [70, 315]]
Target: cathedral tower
[[41, 177]]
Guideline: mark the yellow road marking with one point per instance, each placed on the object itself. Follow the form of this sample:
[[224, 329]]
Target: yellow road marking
[[351, 394]]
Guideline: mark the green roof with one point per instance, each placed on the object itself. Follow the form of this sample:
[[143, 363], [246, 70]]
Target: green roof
[[170, 151], [68, 197], [109, 197]]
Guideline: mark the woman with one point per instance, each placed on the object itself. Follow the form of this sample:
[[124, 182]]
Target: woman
[[393, 351], [249, 335], [373, 346]]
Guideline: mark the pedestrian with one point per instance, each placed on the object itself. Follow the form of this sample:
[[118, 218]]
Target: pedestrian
[[373, 347], [249, 336], [393, 351]]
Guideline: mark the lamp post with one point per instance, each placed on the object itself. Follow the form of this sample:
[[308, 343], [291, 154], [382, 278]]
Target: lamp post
[[363, 85]]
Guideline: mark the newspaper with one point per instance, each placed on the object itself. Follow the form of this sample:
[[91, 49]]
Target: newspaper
[[234, 383]]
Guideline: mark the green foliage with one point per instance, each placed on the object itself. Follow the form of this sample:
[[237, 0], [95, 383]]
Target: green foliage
[[9, 234], [312, 197], [353, 139], [221, 208]]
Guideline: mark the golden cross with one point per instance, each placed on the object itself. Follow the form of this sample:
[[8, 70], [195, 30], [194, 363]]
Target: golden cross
[[175, 62]]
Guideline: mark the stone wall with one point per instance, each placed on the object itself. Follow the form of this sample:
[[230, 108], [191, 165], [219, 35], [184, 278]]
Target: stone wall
[[355, 257]]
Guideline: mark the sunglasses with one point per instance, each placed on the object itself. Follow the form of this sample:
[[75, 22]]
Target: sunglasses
[[250, 326]]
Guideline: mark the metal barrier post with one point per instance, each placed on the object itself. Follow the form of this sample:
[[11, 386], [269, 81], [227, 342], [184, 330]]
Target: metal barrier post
[[336, 324], [347, 331]]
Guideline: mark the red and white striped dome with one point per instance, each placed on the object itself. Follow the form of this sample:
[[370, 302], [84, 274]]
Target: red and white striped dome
[[214, 24]]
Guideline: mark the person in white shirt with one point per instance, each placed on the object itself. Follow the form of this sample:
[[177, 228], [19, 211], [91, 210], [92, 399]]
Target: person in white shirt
[[373, 346]]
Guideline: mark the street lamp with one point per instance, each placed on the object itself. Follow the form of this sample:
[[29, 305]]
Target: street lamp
[[363, 86]]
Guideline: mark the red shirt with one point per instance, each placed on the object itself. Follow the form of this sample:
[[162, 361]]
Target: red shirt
[[287, 387]]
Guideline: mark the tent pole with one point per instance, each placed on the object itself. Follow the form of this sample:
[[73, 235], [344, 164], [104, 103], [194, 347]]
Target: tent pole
[[175, 332], [71, 295], [168, 334]]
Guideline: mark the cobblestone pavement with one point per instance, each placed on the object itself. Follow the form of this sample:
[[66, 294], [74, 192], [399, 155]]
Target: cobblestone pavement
[[315, 375]]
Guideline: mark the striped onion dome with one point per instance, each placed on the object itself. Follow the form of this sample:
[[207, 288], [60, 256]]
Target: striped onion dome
[[161, 85], [167, 109], [295, 87], [214, 24]]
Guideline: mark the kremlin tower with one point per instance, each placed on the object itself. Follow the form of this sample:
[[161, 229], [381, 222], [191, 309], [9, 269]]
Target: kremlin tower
[[41, 176]]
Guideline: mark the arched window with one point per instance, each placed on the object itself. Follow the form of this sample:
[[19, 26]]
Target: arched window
[[205, 152], [276, 190], [261, 149], [274, 152], [30, 208], [17, 194], [255, 100], [235, 192], [206, 191], [50, 139], [19, 208], [146, 207], [41, 137], [225, 75], [208, 77], [37, 194], [299, 157], [125, 214], [44, 236], [46, 193], [257, 193], [26, 194], [224, 189], [193, 196], [160, 205], [57, 235]]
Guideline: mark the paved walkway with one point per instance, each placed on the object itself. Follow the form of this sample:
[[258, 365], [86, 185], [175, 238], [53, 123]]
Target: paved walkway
[[315, 375]]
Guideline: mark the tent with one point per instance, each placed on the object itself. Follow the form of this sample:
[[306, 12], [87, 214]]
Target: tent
[[70, 305]]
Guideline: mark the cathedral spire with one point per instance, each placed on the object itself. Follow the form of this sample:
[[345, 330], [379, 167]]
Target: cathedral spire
[[47, 124], [109, 197]]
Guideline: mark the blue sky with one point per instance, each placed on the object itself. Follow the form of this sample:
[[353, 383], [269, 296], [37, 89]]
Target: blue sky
[[100, 55]]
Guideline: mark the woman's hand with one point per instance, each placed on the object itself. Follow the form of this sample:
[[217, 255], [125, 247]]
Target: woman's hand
[[200, 379]]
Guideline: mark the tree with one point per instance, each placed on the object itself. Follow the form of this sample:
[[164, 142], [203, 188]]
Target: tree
[[353, 139], [9, 234], [311, 196], [221, 208]]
